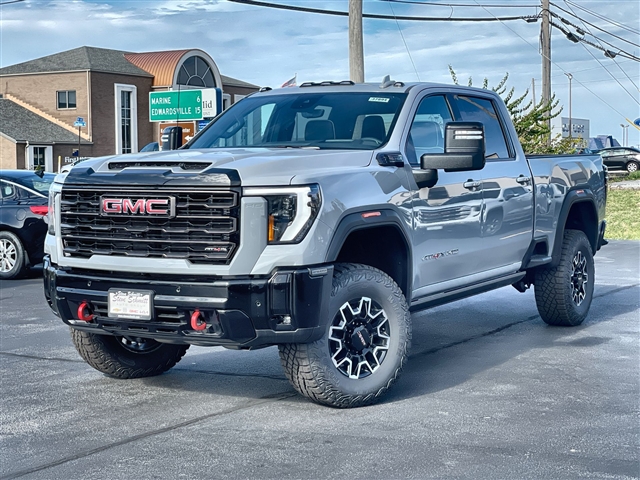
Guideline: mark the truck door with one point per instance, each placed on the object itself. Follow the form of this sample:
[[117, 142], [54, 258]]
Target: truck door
[[507, 217], [447, 216]]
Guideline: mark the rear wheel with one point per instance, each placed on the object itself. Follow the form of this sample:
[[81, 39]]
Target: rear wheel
[[364, 347], [564, 293], [632, 167], [12, 256], [126, 357]]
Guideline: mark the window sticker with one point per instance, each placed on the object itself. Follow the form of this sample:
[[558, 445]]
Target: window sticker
[[379, 99]]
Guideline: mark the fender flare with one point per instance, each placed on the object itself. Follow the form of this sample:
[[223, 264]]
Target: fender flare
[[575, 196], [354, 221]]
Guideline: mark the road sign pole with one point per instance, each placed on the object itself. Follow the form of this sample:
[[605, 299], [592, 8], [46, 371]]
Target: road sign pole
[[79, 142]]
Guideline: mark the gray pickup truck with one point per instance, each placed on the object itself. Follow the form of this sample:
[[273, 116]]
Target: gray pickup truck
[[316, 219]]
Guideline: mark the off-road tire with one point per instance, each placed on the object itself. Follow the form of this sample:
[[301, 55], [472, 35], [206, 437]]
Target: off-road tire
[[560, 302], [12, 257], [109, 355], [310, 368]]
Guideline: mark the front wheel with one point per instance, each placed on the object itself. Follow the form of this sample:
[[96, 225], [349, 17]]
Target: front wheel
[[632, 167], [365, 344], [564, 293], [126, 357]]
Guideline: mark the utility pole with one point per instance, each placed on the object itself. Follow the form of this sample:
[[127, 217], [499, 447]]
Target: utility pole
[[356, 49], [533, 90], [545, 46], [570, 118]]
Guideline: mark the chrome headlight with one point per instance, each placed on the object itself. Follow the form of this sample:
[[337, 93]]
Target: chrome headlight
[[291, 211]]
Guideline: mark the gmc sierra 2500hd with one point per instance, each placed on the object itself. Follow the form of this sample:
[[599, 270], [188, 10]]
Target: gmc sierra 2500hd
[[316, 219]]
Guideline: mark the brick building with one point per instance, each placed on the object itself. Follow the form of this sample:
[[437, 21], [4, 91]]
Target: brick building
[[41, 99]]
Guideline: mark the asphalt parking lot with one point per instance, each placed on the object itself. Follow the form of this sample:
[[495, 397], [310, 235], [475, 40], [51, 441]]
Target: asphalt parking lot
[[490, 392]]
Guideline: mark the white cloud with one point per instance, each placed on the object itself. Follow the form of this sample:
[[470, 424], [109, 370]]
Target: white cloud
[[266, 46]]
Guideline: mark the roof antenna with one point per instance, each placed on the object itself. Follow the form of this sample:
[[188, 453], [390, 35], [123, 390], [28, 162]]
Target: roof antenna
[[387, 82]]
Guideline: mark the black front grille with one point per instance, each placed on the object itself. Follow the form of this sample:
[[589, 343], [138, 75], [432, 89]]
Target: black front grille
[[204, 227]]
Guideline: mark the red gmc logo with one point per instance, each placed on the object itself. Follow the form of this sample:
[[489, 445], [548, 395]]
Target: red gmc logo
[[137, 206]]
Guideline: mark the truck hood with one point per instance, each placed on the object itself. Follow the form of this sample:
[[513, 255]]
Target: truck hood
[[245, 166]]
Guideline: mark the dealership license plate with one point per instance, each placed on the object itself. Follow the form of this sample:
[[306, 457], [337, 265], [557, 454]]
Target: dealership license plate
[[134, 304]]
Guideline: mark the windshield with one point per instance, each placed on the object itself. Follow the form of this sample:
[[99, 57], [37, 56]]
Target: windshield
[[34, 182], [360, 121]]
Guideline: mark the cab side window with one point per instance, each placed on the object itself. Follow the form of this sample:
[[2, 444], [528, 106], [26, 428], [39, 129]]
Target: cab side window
[[475, 109], [427, 129], [7, 191]]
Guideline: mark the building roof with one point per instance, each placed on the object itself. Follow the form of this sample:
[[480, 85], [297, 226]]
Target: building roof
[[21, 125], [159, 65], [162, 65], [82, 58], [234, 82]]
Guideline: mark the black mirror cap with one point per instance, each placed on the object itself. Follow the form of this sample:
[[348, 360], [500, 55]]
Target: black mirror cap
[[171, 138], [464, 149]]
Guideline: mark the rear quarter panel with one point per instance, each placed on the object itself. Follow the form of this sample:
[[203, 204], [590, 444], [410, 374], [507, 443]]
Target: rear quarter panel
[[555, 176]]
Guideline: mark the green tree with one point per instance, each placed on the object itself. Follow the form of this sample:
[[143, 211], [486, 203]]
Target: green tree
[[530, 121]]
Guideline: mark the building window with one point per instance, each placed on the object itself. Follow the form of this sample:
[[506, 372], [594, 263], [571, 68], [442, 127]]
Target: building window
[[39, 157], [66, 99], [196, 72], [126, 118]]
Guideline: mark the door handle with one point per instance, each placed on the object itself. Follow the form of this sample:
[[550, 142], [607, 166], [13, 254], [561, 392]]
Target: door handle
[[471, 184], [522, 180]]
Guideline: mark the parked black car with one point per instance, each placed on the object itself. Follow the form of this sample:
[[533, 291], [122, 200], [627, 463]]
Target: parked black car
[[621, 158], [24, 197]]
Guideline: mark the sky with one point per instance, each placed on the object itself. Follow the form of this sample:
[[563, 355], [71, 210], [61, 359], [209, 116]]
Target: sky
[[267, 46]]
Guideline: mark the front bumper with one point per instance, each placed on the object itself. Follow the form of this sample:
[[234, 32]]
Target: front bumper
[[289, 306]]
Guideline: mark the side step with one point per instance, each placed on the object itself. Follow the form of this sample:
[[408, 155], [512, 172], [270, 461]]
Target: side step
[[464, 292]]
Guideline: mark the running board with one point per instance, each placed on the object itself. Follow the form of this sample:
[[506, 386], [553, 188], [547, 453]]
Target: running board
[[464, 292]]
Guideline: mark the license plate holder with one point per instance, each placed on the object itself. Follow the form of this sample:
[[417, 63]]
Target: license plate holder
[[130, 304]]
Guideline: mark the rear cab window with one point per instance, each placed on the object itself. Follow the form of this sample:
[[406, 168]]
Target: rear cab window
[[476, 109]]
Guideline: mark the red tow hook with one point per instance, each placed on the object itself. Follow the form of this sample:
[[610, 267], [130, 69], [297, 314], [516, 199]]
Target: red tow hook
[[197, 321], [85, 312]]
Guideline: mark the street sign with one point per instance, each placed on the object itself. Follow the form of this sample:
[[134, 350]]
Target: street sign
[[636, 122], [175, 106], [211, 102], [79, 122]]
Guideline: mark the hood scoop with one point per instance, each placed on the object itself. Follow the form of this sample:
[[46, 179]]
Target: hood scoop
[[173, 164]]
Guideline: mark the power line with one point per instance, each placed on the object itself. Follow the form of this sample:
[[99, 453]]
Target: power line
[[608, 71], [574, 38], [405, 42], [416, 2], [564, 20], [602, 17], [564, 71], [294, 8], [592, 68]]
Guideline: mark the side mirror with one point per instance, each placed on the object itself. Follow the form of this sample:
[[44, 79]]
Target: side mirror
[[464, 148], [171, 138]]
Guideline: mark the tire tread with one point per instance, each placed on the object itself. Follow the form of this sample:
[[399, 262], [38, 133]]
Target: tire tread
[[99, 352], [550, 286], [306, 375]]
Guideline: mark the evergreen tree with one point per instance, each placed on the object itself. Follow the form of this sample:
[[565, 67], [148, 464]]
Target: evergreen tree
[[531, 121]]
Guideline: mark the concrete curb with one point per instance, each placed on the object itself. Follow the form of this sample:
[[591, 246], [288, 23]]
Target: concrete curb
[[625, 185]]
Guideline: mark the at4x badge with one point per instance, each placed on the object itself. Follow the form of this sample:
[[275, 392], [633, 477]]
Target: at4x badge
[[435, 256]]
